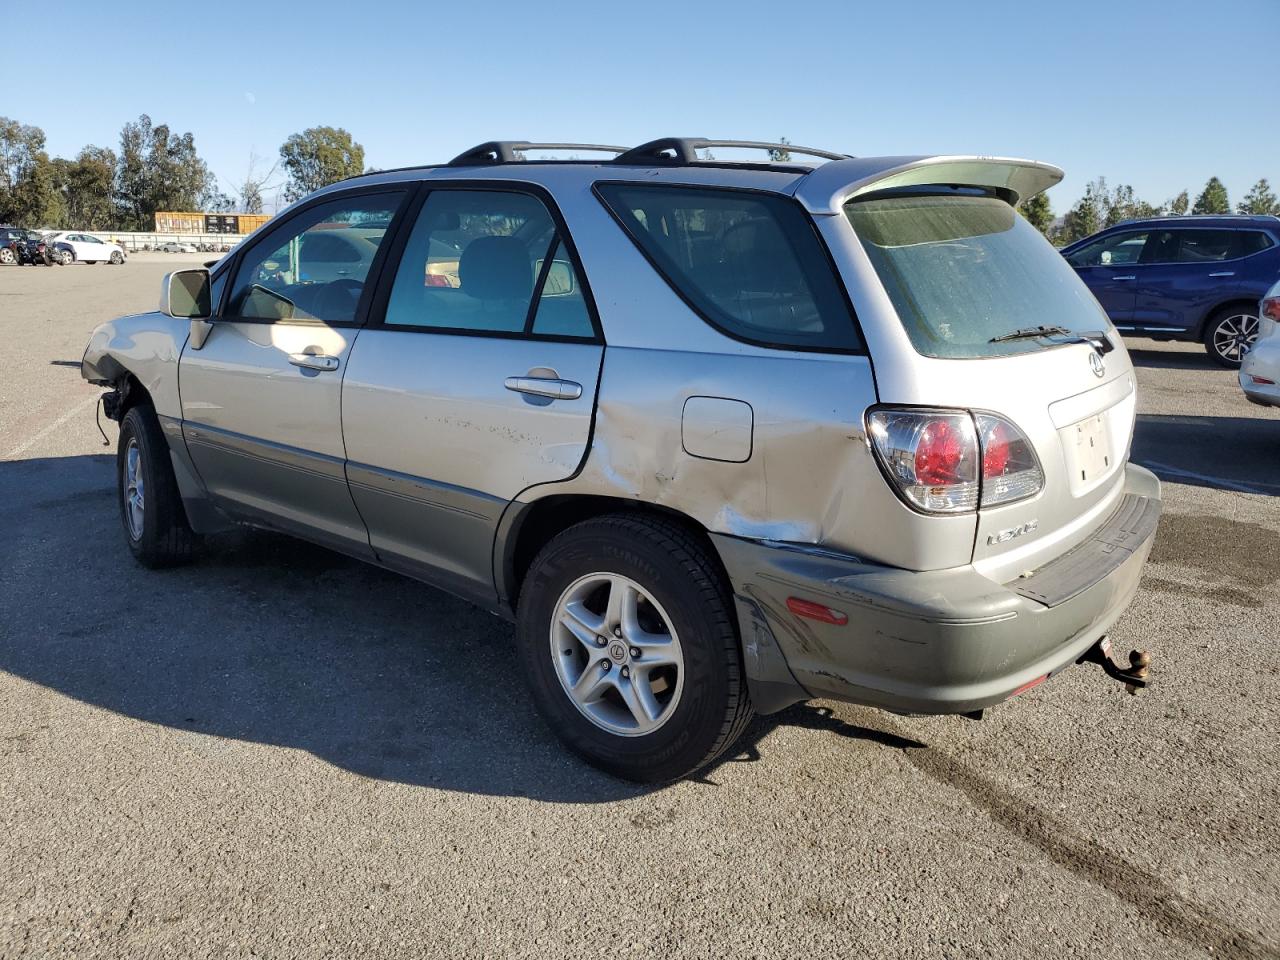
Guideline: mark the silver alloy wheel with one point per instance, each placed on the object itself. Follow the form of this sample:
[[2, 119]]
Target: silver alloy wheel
[[616, 654], [67, 257], [6, 255], [1234, 336], [134, 489]]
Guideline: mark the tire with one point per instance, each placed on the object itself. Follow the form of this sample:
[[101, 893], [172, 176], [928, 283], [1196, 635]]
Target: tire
[[1229, 335], [117, 258], [701, 699], [67, 258], [6, 255], [158, 533]]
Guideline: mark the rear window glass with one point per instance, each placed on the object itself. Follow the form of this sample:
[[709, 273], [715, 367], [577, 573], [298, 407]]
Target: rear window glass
[[964, 270], [750, 263]]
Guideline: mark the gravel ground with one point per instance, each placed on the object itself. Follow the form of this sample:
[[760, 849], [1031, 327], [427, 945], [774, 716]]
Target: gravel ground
[[279, 752]]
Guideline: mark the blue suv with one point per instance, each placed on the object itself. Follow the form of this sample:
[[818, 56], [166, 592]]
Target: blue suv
[[1184, 278]]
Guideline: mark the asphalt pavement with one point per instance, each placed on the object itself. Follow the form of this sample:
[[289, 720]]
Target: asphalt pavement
[[279, 752]]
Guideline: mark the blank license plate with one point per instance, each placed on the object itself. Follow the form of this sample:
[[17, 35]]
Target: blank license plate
[[1093, 448]]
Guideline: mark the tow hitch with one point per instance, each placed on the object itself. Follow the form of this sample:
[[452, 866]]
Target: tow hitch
[[1134, 679]]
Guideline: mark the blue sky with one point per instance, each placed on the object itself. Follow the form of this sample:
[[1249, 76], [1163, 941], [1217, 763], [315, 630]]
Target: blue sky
[[1161, 95]]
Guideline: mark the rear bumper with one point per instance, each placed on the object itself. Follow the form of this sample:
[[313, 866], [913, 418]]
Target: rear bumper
[[1263, 394], [944, 641]]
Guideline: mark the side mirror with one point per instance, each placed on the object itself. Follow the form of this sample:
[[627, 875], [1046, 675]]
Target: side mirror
[[185, 295]]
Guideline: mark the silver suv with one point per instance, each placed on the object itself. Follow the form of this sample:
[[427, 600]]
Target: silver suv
[[717, 436]]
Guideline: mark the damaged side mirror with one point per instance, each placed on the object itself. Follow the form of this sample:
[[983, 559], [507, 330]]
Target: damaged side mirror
[[186, 295]]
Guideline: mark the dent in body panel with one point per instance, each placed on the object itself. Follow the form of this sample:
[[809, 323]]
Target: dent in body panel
[[146, 345]]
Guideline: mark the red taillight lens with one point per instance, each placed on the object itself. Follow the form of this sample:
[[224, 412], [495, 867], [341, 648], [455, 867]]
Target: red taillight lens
[[816, 611], [954, 461], [940, 454], [1271, 308], [1262, 381]]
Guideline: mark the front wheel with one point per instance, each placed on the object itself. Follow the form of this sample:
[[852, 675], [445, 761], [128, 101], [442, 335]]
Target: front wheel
[[117, 258], [627, 634], [1230, 334], [7, 255], [155, 523]]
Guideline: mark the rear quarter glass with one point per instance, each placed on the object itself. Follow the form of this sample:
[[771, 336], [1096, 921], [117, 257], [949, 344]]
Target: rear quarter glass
[[962, 270]]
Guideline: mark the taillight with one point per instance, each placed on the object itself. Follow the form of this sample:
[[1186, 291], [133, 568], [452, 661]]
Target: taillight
[[951, 461], [1270, 317]]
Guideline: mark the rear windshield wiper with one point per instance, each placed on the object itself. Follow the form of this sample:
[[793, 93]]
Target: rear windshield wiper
[[1031, 333]]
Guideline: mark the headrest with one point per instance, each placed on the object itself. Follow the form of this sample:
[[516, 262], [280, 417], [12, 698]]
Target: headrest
[[496, 268]]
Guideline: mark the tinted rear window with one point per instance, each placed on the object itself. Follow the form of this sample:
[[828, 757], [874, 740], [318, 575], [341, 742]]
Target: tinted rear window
[[750, 263], [961, 270]]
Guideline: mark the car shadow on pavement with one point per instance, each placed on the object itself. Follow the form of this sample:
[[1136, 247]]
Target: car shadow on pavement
[[1223, 453], [269, 640], [1173, 360]]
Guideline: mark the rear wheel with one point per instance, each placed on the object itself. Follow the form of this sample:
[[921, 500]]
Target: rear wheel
[[1230, 334], [155, 523], [628, 640], [66, 257]]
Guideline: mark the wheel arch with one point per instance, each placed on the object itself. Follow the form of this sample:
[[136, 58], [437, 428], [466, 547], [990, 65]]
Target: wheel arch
[[1202, 328], [525, 528]]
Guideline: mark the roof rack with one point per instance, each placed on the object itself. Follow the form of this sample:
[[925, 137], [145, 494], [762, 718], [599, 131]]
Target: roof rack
[[509, 151], [683, 150]]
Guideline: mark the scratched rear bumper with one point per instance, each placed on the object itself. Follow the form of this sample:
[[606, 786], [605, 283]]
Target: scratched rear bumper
[[945, 641]]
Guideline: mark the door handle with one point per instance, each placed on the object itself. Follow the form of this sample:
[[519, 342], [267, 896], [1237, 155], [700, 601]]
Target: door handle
[[313, 361], [544, 387], [1130, 276], [1223, 273]]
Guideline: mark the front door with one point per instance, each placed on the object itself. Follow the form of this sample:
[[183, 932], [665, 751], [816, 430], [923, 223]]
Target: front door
[[1109, 268], [475, 380], [261, 398]]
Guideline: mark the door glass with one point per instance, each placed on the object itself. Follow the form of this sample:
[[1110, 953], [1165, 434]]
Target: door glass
[[1207, 246], [562, 309], [314, 266], [1115, 250], [1252, 241], [472, 263]]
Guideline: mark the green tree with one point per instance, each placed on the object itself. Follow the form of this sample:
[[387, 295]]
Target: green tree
[[21, 147], [1038, 212], [317, 157], [37, 200], [1178, 205], [1088, 214], [1260, 199], [1212, 200], [781, 155], [87, 188], [158, 170]]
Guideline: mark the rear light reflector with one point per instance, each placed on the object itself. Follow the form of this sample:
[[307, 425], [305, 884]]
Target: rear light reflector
[[951, 461], [1263, 381], [816, 611], [1029, 684]]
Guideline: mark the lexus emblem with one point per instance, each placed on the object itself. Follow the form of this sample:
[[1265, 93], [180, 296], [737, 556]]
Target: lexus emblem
[[1096, 365]]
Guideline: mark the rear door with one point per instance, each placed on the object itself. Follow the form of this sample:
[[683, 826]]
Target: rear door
[[476, 380], [1185, 274], [1108, 266], [261, 398]]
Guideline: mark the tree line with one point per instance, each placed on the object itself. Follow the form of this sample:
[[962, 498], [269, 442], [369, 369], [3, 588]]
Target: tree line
[[154, 168], [1103, 206]]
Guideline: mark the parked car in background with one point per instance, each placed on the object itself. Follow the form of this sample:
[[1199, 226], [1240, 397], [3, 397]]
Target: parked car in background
[[36, 251], [638, 417], [85, 248], [1184, 278], [173, 246], [1260, 372], [12, 239]]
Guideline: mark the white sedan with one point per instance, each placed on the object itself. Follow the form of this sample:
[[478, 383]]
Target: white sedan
[[85, 248], [1260, 371], [173, 246]]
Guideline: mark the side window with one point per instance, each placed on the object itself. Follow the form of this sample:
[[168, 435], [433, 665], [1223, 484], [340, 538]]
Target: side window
[[1117, 249], [1206, 246], [90, 239], [487, 261], [313, 266], [752, 264], [1253, 241]]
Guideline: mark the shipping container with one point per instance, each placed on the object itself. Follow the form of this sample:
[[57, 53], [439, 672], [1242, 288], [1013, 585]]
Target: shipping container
[[185, 222]]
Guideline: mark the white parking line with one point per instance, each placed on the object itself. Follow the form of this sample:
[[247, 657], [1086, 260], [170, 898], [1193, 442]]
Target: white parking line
[[1210, 480], [74, 411]]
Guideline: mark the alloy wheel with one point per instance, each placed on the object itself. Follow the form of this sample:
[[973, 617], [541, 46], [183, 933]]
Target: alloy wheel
[[616, 654], [6, 255], [134, 489], [1234, 336]]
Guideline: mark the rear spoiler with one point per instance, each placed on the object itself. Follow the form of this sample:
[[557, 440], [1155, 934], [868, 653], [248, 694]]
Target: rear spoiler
[[829, 187]]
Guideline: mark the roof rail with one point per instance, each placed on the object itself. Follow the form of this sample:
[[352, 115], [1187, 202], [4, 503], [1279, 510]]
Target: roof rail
[[683, 150], [509, 151]]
